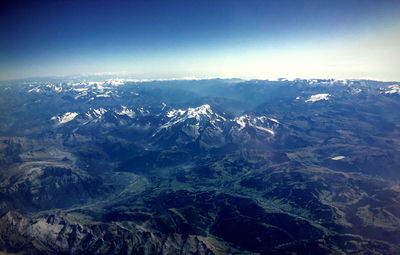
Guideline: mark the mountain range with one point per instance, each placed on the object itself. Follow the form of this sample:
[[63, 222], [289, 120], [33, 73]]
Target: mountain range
[[213, 166]]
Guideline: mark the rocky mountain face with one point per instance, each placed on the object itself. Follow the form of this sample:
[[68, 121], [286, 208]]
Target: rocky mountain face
[[199, 167], [61, 234]]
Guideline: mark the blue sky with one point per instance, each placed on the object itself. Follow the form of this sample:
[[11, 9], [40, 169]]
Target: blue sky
[[164, 39]]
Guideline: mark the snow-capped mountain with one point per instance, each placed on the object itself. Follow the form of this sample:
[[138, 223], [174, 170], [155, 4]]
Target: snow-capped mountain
[[211, 128]]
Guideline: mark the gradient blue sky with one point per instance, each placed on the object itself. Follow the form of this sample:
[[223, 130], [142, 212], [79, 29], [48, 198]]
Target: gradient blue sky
[[163, 39]]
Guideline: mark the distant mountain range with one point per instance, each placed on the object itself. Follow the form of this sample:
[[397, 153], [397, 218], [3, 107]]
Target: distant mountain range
[[212, 166]]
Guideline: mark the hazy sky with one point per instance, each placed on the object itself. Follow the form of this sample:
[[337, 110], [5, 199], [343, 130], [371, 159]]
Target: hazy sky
[[246, 39]]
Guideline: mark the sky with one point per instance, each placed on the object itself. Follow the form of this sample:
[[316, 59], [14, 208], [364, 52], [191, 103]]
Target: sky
[[341, 39]]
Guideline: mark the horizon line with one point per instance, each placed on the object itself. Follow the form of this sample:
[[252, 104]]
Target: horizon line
[[133, 78]]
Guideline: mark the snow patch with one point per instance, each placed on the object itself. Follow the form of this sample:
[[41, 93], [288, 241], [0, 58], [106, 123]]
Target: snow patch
[[103, 95], [36, 89], [126, 111], [338, 158], [318, 97], [265, 130], [99, 112], [240, 121], [198, 111], [80, 89], [67, 117], [256, 122], [95, 113], [57, 89], [174, 113], [274, 120], [394, 89]]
